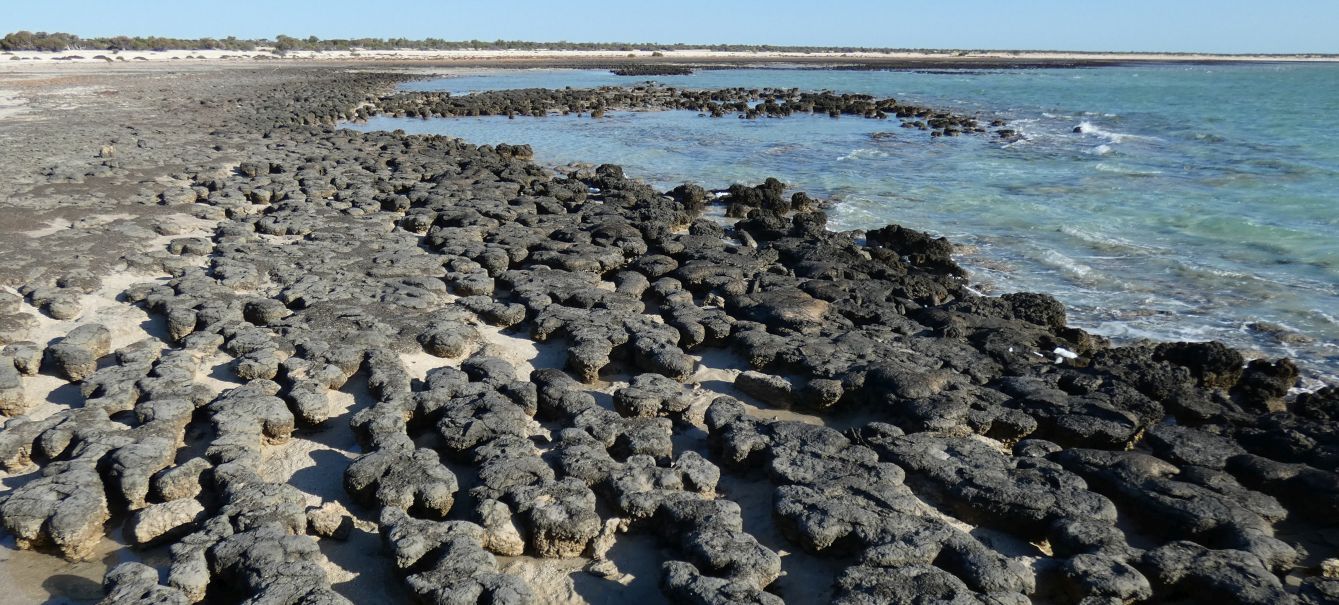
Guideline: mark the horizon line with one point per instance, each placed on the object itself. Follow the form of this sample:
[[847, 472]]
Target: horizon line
[[421, 43]]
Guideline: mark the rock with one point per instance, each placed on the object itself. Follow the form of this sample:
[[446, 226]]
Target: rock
[[133, 583], [330, 520], [1035, 448], [1212, 363], [906, 585], [782, 308], [561, 518], [186, 480], [58, 303], [12, 400], [1321, 404], [95, 337], [683, 583], [253, 415], [651, 395], [27, 356], [821, 393], [265, 311], [775, 391], [481, 419], [270, 565], [918, 247], [699, 474], [604, 568], [501, 534], [75, 357], [17, 326], [310, 402], [164, 521], [654, 266], [450, 339], [985, 486], [692, 197], [411, 480], [1224, 576], [1264, 383], [1088, 576], [10, 303], [1185, 503], [64, 509], [733, 554], [449, 562], [129, 468], [906, 383], [1318, 591], [181, 322], [1305, 489], [1185, 445], [139, 353], [409, 540], [178, 196], [663, 358], [195, 246], [1112, 416]]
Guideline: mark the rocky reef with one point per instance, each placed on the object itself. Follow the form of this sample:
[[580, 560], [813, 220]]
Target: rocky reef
[[790, 414], [748, 103], [651, 70]]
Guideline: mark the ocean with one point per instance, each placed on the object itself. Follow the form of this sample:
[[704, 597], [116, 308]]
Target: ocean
[[1171, 202]]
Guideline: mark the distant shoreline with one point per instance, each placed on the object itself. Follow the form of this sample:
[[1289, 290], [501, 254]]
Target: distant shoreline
[[690, 57]]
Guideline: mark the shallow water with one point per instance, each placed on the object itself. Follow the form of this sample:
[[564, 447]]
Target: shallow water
[[1194, 202]]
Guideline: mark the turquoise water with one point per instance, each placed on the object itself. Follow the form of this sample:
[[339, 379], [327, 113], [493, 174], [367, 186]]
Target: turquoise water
[[1195, 203]]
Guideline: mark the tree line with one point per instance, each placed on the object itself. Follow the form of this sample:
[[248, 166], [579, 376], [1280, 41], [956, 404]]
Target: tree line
[[59, 42]]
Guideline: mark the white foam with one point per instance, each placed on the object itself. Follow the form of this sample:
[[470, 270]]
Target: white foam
[[1066, 264], [1102, 240], [1168, 332], [1122, 169], [1325, 316], [1087, 127], [863, 153]]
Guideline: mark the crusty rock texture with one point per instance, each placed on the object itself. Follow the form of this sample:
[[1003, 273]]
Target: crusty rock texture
[[892, 437]]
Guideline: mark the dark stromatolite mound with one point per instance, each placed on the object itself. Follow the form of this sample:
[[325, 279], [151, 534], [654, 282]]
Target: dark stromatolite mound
[[652, 70], [746, 103]]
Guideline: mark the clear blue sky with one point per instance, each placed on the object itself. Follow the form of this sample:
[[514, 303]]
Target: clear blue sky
[[1230, 26]]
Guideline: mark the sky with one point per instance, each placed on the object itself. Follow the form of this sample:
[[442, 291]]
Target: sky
[[1222, 26]]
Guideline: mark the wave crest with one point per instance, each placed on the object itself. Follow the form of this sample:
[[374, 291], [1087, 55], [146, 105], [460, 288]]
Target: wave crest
[[1086, 127]]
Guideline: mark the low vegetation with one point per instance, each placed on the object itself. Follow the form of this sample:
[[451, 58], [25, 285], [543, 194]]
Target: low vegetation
[[61, 42]]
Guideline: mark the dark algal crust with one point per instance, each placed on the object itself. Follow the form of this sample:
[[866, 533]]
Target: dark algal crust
[[652, 70], [749, 103]]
